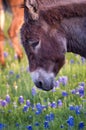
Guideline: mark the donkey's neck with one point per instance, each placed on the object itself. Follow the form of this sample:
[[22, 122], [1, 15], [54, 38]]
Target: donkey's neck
[[75, 30]]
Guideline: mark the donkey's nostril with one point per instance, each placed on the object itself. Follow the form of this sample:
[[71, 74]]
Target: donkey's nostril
[[39, 84]]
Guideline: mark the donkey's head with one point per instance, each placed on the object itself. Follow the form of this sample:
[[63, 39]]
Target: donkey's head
[[45, 48]]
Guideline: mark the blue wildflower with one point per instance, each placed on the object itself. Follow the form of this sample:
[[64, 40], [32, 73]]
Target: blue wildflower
[[70, 121], [39, 107], [59, 103], [3, 103], [28, 103], [53, 105], [29, 127], [7, 99], [37, 124], [17, 124], [46, 124], [64, 93], [72, 61], [81, 125], [62, 126], [5, 54], [73, 91], [34, 91], [47, 117], [21, 100], [25, 108], [11, 72], [57, 84], [52, 116], [71, 107], [77, 110], [37, 112], [81, 91], [63, 80]]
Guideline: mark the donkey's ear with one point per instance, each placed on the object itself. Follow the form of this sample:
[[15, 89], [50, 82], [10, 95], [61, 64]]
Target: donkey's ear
[[32, 6]]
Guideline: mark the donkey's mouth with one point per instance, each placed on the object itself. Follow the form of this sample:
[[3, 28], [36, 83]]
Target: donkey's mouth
[[43, 80]]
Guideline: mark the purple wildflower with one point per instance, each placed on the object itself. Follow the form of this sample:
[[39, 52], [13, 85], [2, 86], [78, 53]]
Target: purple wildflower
[[73, 91], [57, 84], [5, 54], [34, 91], [81, 91], [53, 105], [47, 117], [21, 100], [59, 103], [81, 125], [72, 61], [7, 99], [37, 124], [46, 124], [71, 107], [25, 108], [29, 127], [64, 94], [63, 80], [52, 116], [3, 103], [11, 72], [39, 107], [70, 121], [28, 103]]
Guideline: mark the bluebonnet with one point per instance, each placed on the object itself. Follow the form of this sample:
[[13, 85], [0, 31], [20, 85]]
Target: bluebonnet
[[21, 100], [37, 123], [5, 54], [28, 103], [73, 91], [46, 124], [81, 125], [57, 84], [25, 108], [63, 80], [29, 127], [11, 72], [52, 116], [47, 117], [77, 110], [59, 102], [62, 126], [71, 107], [64, 93], [72, 61], [34, 91], [39, 107], [53, 104], [81, 91], [8, 99], [70, 121], [3, 103]]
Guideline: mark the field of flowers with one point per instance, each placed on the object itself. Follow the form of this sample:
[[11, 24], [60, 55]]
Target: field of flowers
[[24, 107]]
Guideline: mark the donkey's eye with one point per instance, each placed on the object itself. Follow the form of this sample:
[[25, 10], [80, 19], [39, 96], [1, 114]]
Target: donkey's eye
[[34, 44]]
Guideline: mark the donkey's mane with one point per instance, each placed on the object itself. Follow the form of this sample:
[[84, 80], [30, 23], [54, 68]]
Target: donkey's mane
[[53, 13], [55, 3]]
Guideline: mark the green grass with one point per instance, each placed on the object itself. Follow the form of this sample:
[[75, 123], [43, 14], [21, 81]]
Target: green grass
[[15, 87]]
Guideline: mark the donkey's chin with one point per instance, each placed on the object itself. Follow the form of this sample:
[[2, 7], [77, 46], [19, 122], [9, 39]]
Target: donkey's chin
[[43, 80]]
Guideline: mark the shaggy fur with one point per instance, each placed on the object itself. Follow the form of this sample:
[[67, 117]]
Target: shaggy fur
[[60, 27]]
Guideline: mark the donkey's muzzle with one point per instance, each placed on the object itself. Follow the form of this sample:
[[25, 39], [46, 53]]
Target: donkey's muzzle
[[44, 84]]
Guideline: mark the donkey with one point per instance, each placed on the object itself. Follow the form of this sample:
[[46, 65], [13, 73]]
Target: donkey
[[51, 28], [17, 21]]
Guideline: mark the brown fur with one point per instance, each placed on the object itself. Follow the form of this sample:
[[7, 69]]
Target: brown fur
[[60, 26], [17, 21]]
